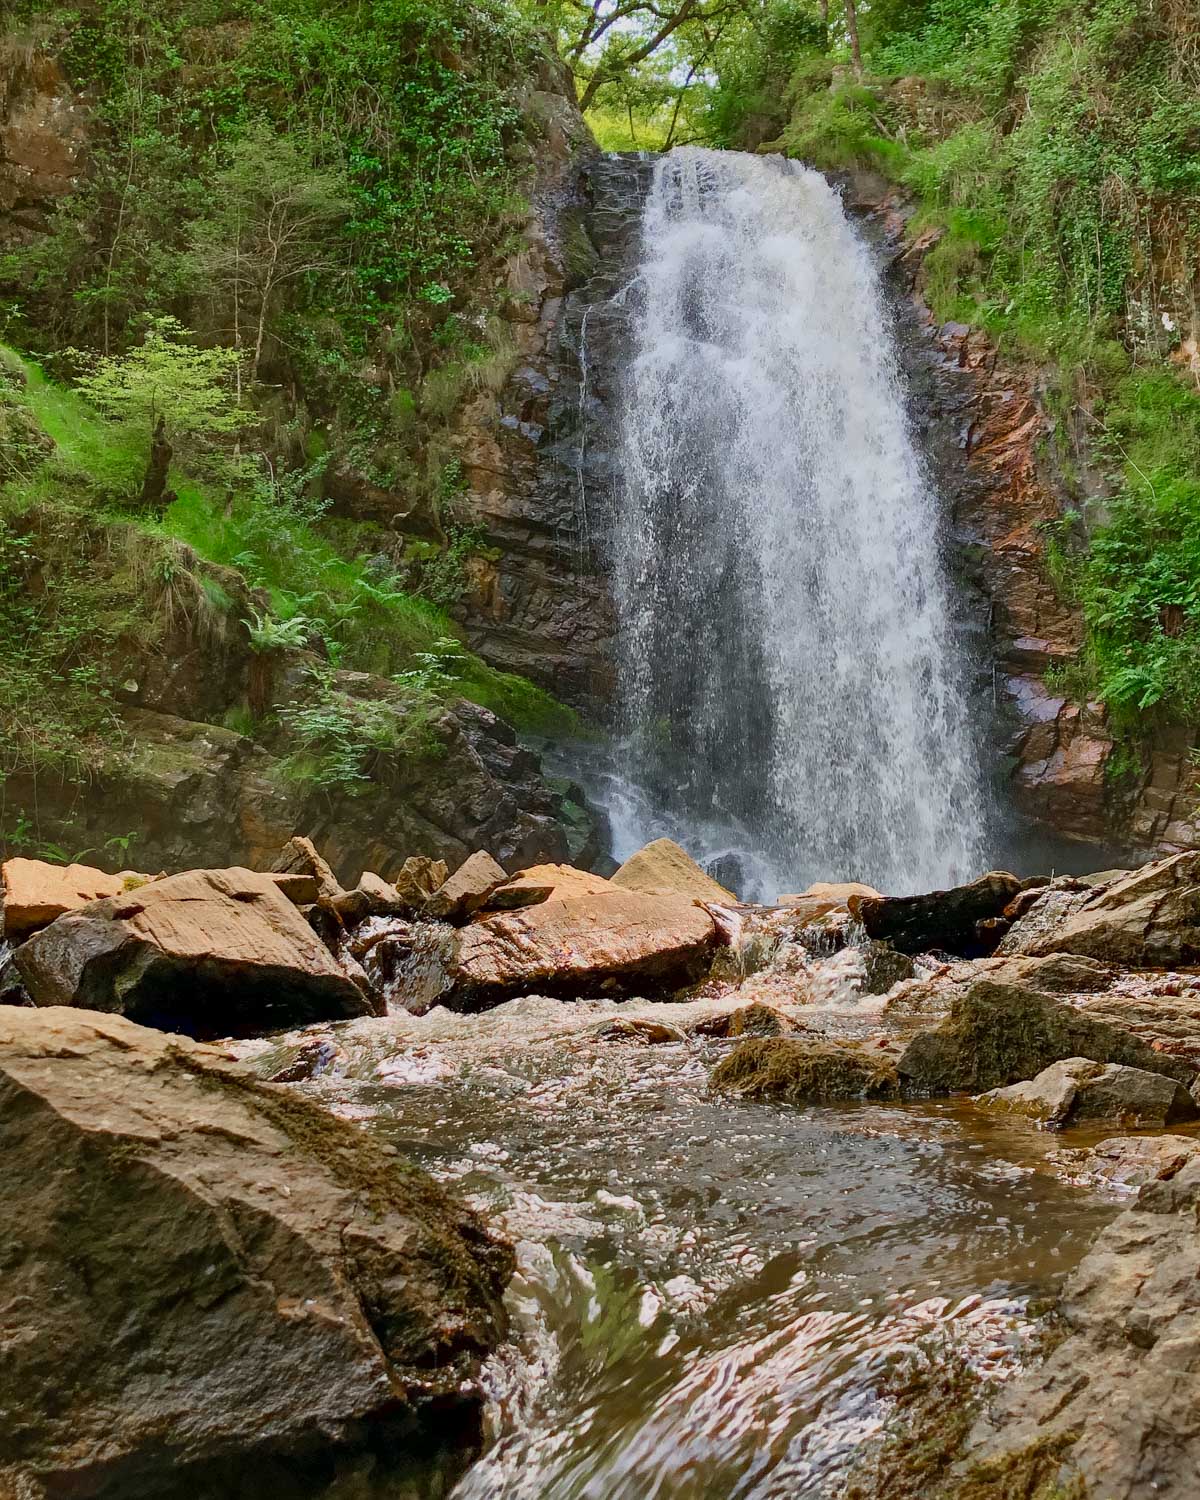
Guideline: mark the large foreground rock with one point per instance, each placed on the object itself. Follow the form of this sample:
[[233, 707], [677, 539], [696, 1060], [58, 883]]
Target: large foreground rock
[[1114, 1412], [997, 1034], [1150, 917], [611, 940], [210, 952], [947, 920], [212, 1287], [1077, 1091]]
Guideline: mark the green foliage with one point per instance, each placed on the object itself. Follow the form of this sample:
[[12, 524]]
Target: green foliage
[[60, 621], [345, 740], [165, 378]]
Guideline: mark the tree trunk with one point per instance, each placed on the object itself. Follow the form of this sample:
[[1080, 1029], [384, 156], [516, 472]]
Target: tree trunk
[[154, 486], [852, 29]]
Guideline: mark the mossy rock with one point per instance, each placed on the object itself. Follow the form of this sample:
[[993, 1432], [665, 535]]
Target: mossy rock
[[797, 1070], [997, 1034]]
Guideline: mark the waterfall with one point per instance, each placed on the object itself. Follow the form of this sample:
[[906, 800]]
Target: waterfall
[[789, 680]]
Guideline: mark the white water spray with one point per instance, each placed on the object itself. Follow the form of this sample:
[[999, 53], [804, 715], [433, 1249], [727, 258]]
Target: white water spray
[[787, 664]]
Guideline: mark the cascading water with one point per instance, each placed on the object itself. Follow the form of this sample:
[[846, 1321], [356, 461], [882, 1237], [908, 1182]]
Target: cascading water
[[787, 665]]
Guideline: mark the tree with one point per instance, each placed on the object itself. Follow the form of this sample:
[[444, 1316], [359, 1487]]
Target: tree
[[172, 390], [270, 224], [606, 41]]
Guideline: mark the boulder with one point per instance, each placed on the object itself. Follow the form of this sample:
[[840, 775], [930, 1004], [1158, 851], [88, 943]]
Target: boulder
[[467, 889], [212, 952], [883, 967], [299, 857], [796, 1070], [606, 941], [545, 883], [821, 899], [758, 1020], [662, 868], [1149, 918], [944, 920], [997, 1034], [1057, 974], [419, 877], [36, 892], [1113, 1411], [1134, 1160], [371, 897], [1077, 1090], [212, 1286]]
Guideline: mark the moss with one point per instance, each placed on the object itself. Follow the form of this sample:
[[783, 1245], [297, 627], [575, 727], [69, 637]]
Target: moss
[[935, 1398], [795, 1070], [1033, 1473]]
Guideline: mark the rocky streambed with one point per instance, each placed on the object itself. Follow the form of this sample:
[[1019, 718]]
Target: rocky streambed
[[547, 1185]]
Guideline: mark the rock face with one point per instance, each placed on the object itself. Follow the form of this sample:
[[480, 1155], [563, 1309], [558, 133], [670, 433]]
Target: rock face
[[582, 945], [1151, 917], [254, 1295], [997, 1034], [1135, 1160], [1077, 1090], [36, 892], [662, 868], [1115, 1407], [796, 1070], [943, 919], [212, 952], [543, 606]]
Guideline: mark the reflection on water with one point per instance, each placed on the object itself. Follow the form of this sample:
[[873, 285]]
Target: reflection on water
[[709, 1291]]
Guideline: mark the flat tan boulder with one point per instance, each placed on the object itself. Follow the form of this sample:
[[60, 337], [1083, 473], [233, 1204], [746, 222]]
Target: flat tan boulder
[[822, 898], [36, 892], [579, 944], [546, 883], [212, 952], [211, 1276], [467, 889], [662, 868]]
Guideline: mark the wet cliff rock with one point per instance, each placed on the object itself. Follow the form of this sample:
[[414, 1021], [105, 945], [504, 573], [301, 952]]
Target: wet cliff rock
[[539, 457], [213, 1288]]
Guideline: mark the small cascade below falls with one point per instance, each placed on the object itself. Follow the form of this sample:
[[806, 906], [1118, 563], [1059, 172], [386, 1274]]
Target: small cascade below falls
[[787, 666]]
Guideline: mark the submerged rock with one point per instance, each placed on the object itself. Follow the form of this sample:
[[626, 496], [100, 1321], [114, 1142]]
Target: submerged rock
[[662, 868], [796, 1070], [583, 945], [997, 1034], [1114, 1411], [214, 952], [1134, 1160], [1077, 1090], [942, 920], [251, 1292]]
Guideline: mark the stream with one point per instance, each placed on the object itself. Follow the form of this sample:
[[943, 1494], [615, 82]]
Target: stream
[[710, 1292]]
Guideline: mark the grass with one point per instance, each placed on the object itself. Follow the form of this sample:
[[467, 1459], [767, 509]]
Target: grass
[[273, 538]]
